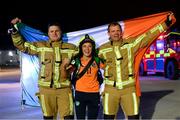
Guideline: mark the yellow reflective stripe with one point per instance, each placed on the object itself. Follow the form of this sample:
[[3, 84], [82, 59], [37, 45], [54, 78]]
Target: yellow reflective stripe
[[16, 26], [131, 78], [75, 52], [104, 51], [129, 60], [69, 52], [158, 55], [109, 82], [151, 52], [125, 46], [83, 37], [126, 82], [117, 52], [106, 99], [57, 53], [56, 72], [18, 41], [42, 56], [118, 70], [147, 55], [44, 49], [158, 27], [154, 29], [32, 47], [135, 103], [161, 51], [56, 66], [128, 47], [43, 66], [56, 85], [139, 39], [171, 50], [118, 62], [42, 70], [42, 83], [106, 70], [66, 82], [43, 105], [71, 104], [166, 54]]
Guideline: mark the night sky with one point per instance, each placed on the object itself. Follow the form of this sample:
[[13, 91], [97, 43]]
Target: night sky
[[78, 15]]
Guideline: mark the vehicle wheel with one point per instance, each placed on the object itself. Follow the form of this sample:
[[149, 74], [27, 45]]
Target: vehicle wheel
[[171, 71], [141, 70]]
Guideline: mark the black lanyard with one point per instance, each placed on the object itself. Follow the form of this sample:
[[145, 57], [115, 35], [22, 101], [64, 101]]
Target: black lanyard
[[85, 69]]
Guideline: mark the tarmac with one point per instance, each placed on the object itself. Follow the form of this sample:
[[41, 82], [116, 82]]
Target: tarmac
[[160, 98]]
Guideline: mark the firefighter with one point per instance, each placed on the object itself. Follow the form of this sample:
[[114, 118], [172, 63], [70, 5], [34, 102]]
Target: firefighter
[[119, 74], [55, 94]]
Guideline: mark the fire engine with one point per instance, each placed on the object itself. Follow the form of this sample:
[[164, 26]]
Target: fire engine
[[163, 56]]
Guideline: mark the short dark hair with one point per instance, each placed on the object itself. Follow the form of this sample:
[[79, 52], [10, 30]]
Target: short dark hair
[[54, 24], [114, 24]]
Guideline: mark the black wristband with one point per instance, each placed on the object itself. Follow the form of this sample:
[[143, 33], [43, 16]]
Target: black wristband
[[168, 21]]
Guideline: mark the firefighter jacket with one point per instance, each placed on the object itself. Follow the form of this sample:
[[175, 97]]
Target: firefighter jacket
[[50, 56], [120, 57]]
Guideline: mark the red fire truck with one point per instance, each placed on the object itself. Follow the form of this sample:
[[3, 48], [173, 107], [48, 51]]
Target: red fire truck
[[163, 56]]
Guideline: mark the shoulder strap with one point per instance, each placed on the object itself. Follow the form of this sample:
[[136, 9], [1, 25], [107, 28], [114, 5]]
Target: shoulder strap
[[100, 76], [85, 69], [97, 60]]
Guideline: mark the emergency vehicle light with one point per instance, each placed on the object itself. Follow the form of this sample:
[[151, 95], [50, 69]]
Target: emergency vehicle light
[[174, 44], [178, 43], [160, 45]]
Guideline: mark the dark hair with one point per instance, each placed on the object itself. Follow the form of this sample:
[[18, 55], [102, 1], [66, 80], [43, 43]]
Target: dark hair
[[54, 24], [86, 39], [114, 24]]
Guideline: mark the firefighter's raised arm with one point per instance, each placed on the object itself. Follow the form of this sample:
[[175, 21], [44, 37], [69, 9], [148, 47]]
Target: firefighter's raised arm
[[13, 28]]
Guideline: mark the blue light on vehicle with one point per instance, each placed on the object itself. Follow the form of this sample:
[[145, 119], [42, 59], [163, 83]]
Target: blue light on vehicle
[[160, 44]]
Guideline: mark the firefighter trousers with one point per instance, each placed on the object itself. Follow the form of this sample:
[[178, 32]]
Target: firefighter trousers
[[126, 98], [56, 102]]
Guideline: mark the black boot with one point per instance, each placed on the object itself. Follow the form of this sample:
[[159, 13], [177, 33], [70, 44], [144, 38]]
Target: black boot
[[109, 117], [48, 117], [135, 117], [69, 117]]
